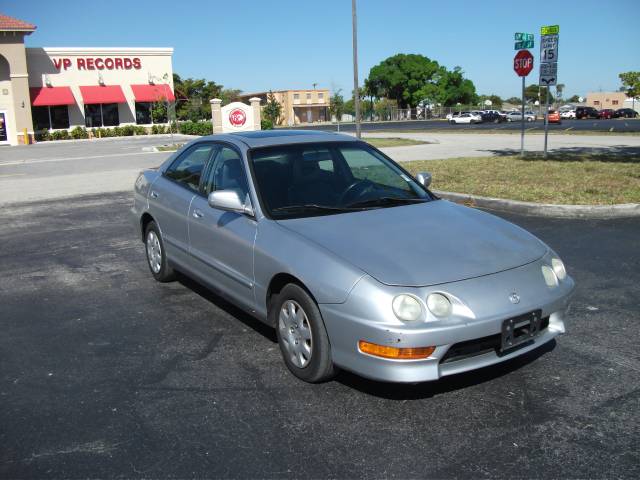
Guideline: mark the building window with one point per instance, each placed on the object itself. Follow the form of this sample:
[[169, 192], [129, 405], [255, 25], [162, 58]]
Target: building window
[[296, 96], [143, 113], [596, 102], [614, 102], [48, 118], [308, 96], [320, 96], [101, 115]]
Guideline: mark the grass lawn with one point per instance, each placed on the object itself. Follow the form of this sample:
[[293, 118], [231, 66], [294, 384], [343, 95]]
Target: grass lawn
[[391, 142], [571, 180]]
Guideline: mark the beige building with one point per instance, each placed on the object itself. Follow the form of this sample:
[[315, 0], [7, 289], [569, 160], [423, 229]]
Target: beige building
[[600, 100], [61, 88], [298, 106]]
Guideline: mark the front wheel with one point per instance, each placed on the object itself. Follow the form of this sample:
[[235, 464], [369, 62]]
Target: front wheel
[[156, 254], [301, 335], [529, 119]]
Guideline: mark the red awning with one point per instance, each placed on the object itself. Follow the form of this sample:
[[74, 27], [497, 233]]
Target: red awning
[[153, 93], [102, 94], [50, 96]]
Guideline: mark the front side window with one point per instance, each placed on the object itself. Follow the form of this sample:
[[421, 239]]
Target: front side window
[[187, 168], [227, 173], [329, 178]]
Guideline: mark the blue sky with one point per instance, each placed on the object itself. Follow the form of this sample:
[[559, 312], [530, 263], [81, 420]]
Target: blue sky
[[258, 45]]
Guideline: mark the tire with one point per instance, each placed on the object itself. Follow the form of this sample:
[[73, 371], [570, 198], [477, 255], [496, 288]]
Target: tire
[[529, 119], [156, 254], [302, 337]]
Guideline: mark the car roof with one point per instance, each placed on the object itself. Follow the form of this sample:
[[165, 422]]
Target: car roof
[[265, 138]]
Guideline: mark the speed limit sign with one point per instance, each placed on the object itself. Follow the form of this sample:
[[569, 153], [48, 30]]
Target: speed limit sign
[[549, 49]]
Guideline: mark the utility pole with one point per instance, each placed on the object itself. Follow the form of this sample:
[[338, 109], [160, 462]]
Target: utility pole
[[356, 90]]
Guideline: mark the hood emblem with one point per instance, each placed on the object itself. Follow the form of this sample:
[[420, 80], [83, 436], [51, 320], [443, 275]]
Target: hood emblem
[[514, 298]]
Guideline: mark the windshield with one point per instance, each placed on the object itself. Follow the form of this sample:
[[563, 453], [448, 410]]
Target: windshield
[[330, 178]]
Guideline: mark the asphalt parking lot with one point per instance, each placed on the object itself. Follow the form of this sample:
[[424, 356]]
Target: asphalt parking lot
[[618, 125], [106, 373]]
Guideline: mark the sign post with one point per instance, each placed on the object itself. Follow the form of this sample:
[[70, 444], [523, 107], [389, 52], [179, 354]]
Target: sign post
[[549, 37], [522, 64]]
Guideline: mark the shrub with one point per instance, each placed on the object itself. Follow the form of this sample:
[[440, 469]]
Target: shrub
[[195, 128], [117, 131], [266, 124], [60, 135], [79, 132], [140, 130], [127, 130], [42, 135]]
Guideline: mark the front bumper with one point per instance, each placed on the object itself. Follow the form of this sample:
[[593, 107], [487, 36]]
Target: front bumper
[[365, 316]]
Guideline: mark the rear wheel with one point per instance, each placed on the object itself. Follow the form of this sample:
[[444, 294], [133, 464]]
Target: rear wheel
[[301, 335], [156, 254]]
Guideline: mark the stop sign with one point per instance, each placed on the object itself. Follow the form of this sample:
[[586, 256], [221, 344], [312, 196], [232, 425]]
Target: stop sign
[[523, 63]]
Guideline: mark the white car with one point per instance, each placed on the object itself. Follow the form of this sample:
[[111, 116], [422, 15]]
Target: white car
[[568, 114], [465, 117], [517, 116]]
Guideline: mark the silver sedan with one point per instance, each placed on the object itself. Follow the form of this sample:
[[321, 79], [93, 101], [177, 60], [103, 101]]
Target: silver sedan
[[354, 262]]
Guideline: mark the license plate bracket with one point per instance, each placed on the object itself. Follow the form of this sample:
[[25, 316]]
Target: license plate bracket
[[520, 329]]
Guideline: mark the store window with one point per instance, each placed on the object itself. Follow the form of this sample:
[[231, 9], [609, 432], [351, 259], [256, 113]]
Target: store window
[[47, 118], [614, 102], [101, 115], [143, 113]]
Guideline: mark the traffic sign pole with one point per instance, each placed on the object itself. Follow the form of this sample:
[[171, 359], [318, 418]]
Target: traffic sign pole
[[546, 122], [522, 123]]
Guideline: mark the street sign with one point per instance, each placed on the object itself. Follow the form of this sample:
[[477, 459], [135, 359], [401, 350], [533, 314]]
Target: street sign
[[524, 44], [548, 74], [549, 48], [519, 36], [550, 30], [523, 63]]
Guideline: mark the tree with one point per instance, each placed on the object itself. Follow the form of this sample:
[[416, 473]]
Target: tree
[[535, 92], [631, 83], [496, 101], [336, 105], [272, 109], [574, 99], [409, 78], [514, 100]]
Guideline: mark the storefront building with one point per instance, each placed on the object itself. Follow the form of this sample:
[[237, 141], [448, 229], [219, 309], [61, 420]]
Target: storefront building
[[62, 88]]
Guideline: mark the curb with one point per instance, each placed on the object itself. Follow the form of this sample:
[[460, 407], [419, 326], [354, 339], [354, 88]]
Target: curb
[[625, 210]]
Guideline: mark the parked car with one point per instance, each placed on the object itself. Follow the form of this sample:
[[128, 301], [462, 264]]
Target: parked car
[[625, 113], [354, 262], [568, 114], [516, 116], [554, 117], [466, 117], [492, 116], [586, 112], [606, 113]]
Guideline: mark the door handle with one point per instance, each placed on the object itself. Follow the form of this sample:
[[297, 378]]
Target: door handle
[[197, 214], [154, 194]]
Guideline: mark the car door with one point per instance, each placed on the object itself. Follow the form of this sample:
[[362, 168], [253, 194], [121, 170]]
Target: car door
[[221, 242], [170, 197]]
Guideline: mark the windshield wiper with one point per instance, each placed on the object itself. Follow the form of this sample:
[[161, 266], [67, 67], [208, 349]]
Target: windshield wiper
[[311, 207], [382, 201]]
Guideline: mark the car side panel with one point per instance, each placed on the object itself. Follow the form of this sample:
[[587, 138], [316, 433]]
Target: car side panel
[[279, 250]]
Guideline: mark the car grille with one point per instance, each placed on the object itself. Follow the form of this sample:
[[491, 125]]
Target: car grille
[[480, 346]]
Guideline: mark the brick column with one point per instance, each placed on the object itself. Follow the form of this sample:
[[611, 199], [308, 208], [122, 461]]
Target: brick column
[[216, 115], [255, 106]]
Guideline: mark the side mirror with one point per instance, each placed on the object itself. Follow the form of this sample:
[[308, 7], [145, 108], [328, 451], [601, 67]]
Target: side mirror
[[424, 178], [230, 201]]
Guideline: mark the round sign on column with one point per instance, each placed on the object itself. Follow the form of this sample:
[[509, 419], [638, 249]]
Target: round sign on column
[[523, 63]]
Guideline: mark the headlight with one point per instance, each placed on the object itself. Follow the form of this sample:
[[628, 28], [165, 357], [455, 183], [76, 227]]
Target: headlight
[[407, 308], [439, 305], [558, 268], [549, 276]]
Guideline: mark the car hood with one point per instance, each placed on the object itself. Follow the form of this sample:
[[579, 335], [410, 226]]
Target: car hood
[[422, 244]]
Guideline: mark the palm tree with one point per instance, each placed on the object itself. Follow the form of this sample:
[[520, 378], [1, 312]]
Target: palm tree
[[559, 89]]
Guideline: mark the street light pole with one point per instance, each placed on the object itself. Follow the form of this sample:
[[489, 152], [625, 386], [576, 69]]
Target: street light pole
[[356, 90]]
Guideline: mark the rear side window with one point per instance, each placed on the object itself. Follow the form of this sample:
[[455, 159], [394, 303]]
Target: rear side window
[[187, 168]]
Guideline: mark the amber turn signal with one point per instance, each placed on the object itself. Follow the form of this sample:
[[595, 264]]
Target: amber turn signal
[[394, 352]]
